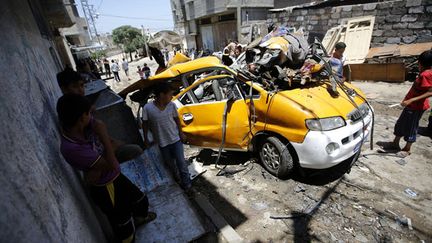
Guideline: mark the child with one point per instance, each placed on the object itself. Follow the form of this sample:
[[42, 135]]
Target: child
[[70, 82], [415, 103], [82, 146], [140, 72], [161, 117], [338, 59], [146, 71]]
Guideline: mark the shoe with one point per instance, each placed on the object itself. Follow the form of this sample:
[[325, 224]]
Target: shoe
[[144, 220]]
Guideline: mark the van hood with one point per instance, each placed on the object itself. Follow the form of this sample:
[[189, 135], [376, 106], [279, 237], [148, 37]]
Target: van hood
[[318, 101]]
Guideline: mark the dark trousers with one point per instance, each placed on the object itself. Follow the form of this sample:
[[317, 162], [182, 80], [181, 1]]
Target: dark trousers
[[407, 124], [116, 76], [120, 200]]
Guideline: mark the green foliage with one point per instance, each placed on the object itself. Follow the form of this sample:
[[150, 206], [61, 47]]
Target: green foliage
[[98, 54], [129, 37]]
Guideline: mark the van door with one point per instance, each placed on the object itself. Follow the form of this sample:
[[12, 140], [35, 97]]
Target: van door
[[201, 109]]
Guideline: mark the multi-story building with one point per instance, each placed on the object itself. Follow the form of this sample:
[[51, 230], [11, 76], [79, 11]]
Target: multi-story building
[[210, 24]]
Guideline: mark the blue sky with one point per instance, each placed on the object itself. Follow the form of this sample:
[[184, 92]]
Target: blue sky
[[153, 14]]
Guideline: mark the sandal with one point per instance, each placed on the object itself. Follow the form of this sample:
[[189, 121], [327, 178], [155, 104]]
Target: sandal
[[144, 220], [403, 154]]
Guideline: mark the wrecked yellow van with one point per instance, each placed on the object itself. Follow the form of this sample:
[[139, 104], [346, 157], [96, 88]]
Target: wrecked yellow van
[[306, 127]]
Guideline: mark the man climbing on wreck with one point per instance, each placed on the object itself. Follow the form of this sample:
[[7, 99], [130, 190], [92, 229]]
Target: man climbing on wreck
[[337, 60]]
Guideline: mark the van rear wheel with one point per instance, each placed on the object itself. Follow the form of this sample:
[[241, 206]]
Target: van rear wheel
[[276, 157]]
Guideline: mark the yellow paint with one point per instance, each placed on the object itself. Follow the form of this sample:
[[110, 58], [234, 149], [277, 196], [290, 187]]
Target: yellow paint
[[110, 188], [277, 43], [178, 58], [283, 113]]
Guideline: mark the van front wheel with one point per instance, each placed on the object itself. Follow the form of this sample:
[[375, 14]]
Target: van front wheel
[[276, 157]]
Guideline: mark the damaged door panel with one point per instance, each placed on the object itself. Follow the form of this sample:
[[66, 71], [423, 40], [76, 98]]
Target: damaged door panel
[[201, 108]]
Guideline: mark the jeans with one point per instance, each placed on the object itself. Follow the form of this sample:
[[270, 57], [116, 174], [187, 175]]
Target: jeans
[[173, 155], [116, 76]]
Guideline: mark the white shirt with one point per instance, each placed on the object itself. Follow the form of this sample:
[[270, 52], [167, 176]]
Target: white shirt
[[162, 123], [115, 67], [125, 65]]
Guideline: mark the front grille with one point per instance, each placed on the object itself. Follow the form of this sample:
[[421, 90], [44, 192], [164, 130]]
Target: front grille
[[358, 114]]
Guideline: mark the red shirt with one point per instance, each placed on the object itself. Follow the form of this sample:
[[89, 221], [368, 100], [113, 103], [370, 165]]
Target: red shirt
[[422, 85]]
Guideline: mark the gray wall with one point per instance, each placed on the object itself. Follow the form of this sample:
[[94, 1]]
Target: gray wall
[[402, 21], [42, 199]]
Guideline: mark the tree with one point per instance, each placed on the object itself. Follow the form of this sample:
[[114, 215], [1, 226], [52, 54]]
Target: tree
[[129, 38]]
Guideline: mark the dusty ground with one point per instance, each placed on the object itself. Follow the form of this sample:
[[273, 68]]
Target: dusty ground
[[367, 205]]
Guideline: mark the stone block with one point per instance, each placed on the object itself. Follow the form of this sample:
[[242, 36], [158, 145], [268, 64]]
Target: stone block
[[393, 18], [390, 33], [379, 40], [399, 4], [303, 12], [400, 26], [332, 22], [313, 22], [321, 11], [393, 40], [357, 8], [429, 9], [402, 10], [335, 15], [379, 19], [409, 39], [325, 16], [336, 10], [428, 25], [357, 13], [408, 18], [385, 27], [369, 6], [416, 25], [314, 17], [347, 8], [419, 9], [324, 22], [405, 32], [300, 18], [346, 14], [413, 3], [384, 5], [377, 33]]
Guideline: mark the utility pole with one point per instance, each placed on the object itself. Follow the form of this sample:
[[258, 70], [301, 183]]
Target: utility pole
[[89, 15], [239, 17]]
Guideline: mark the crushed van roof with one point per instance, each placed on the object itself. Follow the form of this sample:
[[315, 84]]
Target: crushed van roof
[[181, 68]]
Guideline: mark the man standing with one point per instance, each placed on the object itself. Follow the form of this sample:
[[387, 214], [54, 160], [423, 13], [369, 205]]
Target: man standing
[[146, 71], [115, 70], [337, 60], [161, 117], [125, 66]]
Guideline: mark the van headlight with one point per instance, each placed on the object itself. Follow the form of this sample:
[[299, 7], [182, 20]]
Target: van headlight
[[325, 124]]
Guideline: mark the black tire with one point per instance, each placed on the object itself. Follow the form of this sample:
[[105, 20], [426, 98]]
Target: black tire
[[276, 157]]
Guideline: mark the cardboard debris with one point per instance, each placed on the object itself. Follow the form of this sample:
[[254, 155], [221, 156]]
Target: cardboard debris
[[195, 170], [399, 50]]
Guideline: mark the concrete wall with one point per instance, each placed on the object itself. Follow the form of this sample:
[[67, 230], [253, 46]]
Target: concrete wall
[[42, 199], [403, 21]]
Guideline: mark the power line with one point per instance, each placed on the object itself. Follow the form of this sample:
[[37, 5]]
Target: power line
[[126, 17]]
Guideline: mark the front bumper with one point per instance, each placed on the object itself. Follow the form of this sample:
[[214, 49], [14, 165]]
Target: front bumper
[[312, 152]]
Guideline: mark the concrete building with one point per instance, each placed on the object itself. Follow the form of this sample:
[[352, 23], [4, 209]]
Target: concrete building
[[42, 198], [210, 24]]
